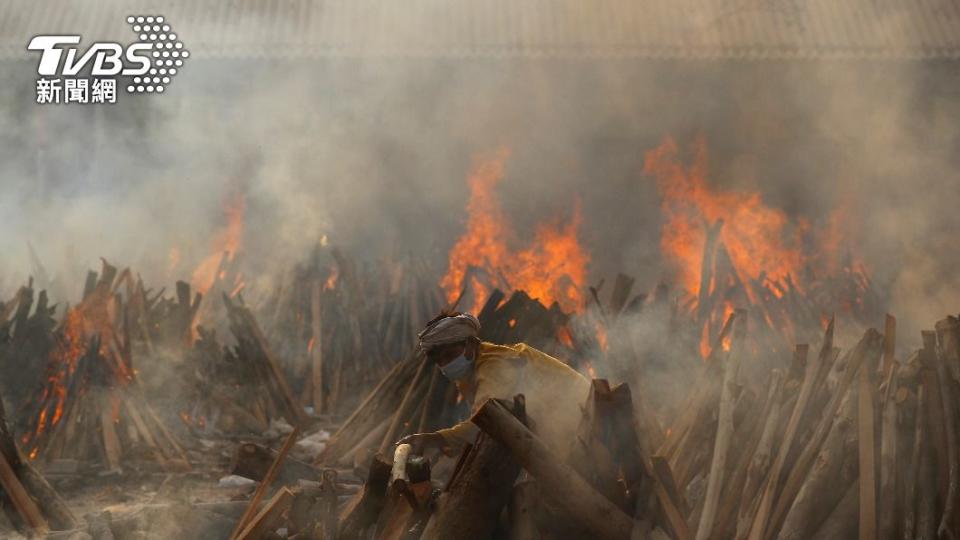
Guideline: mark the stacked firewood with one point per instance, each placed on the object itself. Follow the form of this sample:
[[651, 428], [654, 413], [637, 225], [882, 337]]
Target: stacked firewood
[[90, 407], [834, 444], [28, 501], [336, 322], [24, 342], [241, 388]]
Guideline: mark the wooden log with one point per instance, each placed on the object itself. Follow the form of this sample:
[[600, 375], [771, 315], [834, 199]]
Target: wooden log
[[947, 527], [669, 497], [926, 494], [889, 345], [721, 447], [243, 316], [379, 404], [316, 353], [889, 482], [771, 487], [759, 467], [735, 495], [592, 455], [269, 517], [867, 351], [25, 506], [471, 505], [523, 509], [825, 485], [707, 265], [111, 444], [411, 398], [265, 484], [362, 510], [571, 492], [866, 422], [911, 491]]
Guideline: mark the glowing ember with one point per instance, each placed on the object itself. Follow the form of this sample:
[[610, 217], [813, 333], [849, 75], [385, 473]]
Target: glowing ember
[[552, 269]]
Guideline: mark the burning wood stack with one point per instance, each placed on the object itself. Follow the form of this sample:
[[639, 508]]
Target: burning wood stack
[[28, 501], [91, 407], [24, 341]]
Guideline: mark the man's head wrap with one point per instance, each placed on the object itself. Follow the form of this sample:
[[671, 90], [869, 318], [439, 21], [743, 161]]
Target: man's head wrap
[[449, 330]]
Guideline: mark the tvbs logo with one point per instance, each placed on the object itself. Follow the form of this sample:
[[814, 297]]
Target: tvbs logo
[[150, 63]]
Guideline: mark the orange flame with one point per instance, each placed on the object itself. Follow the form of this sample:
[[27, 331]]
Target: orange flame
[[225, 243], [757, 248], [552, 269], [602, 337], [331, 282], [565, 337], [759, 239]]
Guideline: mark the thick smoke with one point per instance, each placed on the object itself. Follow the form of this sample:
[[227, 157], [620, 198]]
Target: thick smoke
[[373, 153]]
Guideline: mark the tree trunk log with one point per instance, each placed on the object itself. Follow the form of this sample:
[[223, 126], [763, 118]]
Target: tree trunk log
[[482, 487], [569, 490]]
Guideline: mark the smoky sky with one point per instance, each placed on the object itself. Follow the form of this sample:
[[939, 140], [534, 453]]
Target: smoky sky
[[373, 153]]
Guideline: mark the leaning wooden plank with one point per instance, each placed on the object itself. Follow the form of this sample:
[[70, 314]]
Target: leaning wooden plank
[[111, 444], [866, 352], [734, 494], [760, 460], [21, 500], [265, 484], [269, 517], [946, 527], [911, 492], [411, 398], [866, 423], [889, 481], [567, 488], [671, 501], [825, 485], [721, 446], [772, 486], [316, 350], [471, 505], [361, 512], [523, 508]]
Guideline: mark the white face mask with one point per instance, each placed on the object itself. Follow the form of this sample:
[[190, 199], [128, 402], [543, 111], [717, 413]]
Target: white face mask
[[458, 368]]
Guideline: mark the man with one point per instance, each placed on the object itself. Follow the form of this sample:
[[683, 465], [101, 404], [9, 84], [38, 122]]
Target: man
[[554, 392]]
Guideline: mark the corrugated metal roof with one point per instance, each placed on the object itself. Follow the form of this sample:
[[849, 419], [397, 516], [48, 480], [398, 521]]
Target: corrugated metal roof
[[507, 28]]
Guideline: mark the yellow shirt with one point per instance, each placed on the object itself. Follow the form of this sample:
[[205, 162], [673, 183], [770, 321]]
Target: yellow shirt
[[554, 393]]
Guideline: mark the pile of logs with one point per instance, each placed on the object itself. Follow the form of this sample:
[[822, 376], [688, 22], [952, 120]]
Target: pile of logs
[[241, 388], [833, 444], [336, 323], [24, 338], [90, 407]]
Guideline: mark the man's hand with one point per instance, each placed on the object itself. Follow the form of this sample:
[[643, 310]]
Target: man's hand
[[420, 442]]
